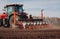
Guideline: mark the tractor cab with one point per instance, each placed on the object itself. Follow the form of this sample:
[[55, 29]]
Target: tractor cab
[[14, 7]]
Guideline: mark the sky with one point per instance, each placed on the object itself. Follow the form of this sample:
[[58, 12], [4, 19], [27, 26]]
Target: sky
[[51, 8]]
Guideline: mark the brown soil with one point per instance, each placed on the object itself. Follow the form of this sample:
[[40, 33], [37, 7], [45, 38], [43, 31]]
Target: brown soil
[[9, 33]]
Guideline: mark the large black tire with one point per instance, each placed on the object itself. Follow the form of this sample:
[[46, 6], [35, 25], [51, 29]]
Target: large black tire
[[18, 18], [1, 22], [11, 19]]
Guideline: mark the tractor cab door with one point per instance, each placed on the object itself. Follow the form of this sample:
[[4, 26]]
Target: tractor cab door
[[9, 10]]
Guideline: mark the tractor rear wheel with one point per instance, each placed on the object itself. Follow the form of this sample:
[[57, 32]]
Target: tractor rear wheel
[[11, 20]]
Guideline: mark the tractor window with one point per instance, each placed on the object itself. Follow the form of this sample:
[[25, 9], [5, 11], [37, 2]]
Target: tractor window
[[10, 9], [17, 8], [20, 9]]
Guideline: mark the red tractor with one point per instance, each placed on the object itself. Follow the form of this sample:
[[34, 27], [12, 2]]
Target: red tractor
[[13, 14], [9, 11]]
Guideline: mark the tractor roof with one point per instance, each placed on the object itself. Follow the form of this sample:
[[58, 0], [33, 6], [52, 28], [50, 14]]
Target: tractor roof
[[13, 5]]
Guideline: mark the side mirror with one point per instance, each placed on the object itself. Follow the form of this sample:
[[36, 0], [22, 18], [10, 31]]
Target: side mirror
[[4, 10]]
